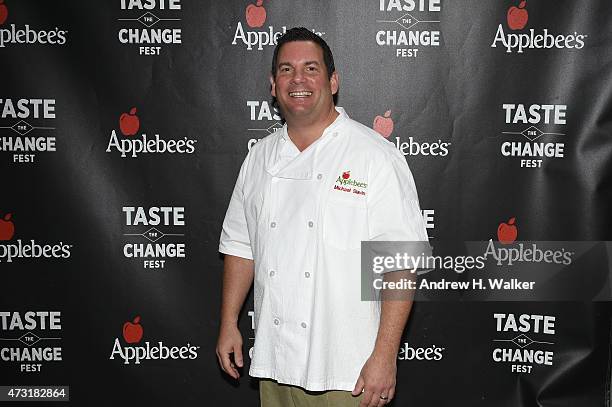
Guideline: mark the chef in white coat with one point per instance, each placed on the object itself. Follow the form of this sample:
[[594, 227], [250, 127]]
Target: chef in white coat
[[305, 198]]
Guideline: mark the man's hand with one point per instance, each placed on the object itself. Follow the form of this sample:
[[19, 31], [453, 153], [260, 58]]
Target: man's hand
[[377, 378], [230, 341], [237, 279]]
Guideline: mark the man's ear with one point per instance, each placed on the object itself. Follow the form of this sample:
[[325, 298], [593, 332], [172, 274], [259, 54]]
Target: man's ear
[[272, 86], [334, 82]]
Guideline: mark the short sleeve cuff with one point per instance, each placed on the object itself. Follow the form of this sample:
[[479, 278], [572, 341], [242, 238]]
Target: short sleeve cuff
[[235, 249]]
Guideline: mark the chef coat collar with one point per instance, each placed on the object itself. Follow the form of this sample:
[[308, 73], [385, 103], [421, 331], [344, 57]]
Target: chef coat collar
[[342, 116], [292, 163]]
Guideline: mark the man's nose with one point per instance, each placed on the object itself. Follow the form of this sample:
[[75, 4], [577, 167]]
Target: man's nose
[[298, 76]]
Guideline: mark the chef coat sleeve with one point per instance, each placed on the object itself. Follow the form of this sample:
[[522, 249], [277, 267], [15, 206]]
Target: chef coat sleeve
[[235, 239], [393, 204]]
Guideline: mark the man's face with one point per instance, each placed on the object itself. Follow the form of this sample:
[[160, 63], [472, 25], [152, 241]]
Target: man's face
[[302, 86]]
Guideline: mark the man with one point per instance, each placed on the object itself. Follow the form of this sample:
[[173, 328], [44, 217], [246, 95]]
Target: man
[[305, 198]]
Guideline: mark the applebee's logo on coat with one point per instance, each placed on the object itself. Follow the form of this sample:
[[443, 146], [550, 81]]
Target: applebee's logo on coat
[[345, 183], [132, 335]]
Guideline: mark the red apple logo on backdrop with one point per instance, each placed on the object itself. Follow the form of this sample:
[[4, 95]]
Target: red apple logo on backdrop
[[3, 12], [384, 125], [507, 232], [518, 16], [346, 175], [7, 229], [129, 123], [256, 14], [132, 331]]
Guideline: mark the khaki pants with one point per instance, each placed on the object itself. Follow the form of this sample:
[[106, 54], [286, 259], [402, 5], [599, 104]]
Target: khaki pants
[[273, 394]]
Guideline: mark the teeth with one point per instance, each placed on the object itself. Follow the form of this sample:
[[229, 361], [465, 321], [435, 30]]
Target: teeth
[[300, 93]]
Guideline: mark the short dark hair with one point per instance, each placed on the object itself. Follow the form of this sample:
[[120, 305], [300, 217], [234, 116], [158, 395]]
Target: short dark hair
[[304, 34]]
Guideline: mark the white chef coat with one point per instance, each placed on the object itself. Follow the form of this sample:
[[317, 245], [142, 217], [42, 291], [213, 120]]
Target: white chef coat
[[289, 213]]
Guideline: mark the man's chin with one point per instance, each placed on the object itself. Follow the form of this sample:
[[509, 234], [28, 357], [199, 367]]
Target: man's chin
[[296, 110]]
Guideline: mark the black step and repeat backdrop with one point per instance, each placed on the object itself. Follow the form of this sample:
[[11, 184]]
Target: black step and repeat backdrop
[[122, 128]]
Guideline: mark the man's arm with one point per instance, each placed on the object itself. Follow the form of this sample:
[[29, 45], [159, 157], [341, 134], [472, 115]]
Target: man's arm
[[378, 375], [237, 279], [395, 308]]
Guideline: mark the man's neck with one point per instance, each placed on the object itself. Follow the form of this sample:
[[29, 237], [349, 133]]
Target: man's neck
[[305, 132]]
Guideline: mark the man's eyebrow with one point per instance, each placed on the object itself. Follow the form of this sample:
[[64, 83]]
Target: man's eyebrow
[[305, 63]]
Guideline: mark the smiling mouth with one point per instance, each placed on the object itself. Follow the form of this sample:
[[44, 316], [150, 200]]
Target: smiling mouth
[[300, 94]]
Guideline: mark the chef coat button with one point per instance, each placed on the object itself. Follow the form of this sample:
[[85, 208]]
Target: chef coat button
[[303, 324], [320, 176], [273, 225], [271, 273], [310, 224], [307, 274], [276, 321], [335, 134]]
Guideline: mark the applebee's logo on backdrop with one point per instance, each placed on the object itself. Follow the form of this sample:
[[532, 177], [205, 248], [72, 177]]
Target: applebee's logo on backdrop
[[511, 252], [517, 17], [529, 134], [152, 19], [3, 12], [507, 232], [411, 24], [384, 125], [156, 220], [132, 335], [25, 128], [264, 118], [29, 248], [7, 227], [429, 353], [13, 34], [255, 16], [524, 341], [129, 124], [132, 331], [30, 339]]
